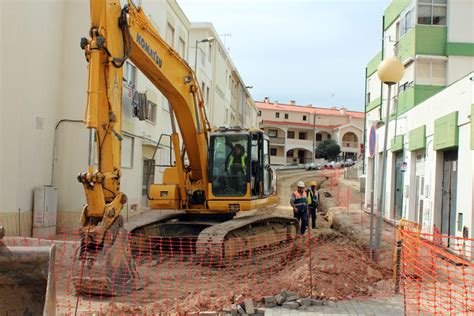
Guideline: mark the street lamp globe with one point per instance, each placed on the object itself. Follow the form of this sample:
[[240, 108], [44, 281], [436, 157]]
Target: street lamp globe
[[390, 70]]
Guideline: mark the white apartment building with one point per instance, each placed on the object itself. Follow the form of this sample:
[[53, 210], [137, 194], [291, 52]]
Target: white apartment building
[[290, 128], [430, 166], [44, 89], [227, 98]]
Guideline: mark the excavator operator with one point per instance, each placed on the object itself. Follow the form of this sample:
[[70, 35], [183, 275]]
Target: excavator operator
[[236, 161], [236, 169]]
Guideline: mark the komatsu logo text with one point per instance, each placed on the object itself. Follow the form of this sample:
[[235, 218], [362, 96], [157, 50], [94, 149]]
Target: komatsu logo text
[[152, 53]]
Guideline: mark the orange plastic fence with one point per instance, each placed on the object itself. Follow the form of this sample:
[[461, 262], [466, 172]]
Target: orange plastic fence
[[437, 273], [341, 194], [176, 279]]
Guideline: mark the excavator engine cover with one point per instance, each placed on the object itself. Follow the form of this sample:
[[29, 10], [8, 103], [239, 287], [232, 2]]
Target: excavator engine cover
[[27, 284]]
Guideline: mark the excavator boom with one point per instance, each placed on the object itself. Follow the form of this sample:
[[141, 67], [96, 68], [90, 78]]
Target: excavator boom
[[219, 173]]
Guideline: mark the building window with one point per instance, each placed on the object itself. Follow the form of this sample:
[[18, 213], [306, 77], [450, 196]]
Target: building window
[[207, 96], [319, 137], [286, 116], [289, 153], [432, 12], [170, 34], [259, 113], [127, 151], [277, 114], [290, 134], [130, 75], [302, 135], [273, 151], [304, 117], [209, 53], [329, 136], [181, 47], [431, 72], [407, 21], [150, 111], [272, 133]]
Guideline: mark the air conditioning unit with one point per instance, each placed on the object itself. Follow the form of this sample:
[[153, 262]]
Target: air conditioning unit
[[45, 206]]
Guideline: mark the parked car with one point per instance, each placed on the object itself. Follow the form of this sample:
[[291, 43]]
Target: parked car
[[310, 166], [348, 163]]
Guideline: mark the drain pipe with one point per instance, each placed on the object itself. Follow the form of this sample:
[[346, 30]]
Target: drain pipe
[[53, 159]]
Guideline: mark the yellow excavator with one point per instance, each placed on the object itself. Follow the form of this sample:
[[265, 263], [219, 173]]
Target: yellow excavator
[[217, 172]]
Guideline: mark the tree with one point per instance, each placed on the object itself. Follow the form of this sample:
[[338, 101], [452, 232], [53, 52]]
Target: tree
[[328, 150]]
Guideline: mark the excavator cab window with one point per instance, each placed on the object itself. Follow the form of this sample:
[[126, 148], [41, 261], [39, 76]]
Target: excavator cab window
[[230, 164]]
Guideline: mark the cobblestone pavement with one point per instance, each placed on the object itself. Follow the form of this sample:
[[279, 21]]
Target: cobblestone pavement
[[390, 306]]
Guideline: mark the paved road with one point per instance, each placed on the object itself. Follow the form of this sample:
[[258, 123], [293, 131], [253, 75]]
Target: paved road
[[388, 307]]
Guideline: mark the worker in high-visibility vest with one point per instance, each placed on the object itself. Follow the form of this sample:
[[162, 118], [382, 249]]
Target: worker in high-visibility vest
[[299, 202], [313, 202], [236, 161]]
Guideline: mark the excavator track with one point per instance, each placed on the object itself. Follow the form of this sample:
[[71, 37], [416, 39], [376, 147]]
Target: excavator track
[[213, 243], [221, 242]]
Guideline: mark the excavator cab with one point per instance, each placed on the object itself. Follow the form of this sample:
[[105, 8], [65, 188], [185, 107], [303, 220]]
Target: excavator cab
[[239, 164]]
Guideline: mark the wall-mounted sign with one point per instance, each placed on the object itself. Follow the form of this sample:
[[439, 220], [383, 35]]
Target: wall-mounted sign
[[403, 166]]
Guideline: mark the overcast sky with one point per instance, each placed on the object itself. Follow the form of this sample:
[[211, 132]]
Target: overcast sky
[[311, 51]]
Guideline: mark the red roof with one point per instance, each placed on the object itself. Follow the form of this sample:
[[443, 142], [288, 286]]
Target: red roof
[[299, 124], [307, 109]]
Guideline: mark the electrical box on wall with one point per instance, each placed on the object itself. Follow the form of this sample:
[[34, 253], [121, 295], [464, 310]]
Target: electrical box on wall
[[45, 206]]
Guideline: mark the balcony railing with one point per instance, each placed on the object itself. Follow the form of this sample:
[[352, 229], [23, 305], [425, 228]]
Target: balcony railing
[[277, 140], [350, 144]]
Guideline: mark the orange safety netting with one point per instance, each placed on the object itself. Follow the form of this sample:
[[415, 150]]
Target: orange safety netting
[[174, 276], [437, 273]]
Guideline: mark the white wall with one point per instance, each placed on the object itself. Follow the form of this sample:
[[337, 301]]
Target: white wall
[[44, 78], [459, 66], [460, 21]]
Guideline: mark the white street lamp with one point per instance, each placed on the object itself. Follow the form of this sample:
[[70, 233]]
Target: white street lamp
[[390, 72], [205, 40]]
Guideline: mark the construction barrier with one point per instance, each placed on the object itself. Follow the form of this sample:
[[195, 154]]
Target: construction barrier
[[180, 275], [437, 273]]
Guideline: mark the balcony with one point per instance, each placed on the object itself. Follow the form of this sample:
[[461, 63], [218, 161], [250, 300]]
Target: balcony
[[277, 140], [277, 160]]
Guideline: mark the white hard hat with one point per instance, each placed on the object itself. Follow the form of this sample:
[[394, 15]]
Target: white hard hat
[[300, 184]]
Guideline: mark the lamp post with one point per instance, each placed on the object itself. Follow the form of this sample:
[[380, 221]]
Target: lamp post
[[206, 40], [390, 71]]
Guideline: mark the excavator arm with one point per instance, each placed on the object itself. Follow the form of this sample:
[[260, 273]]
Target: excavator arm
[[118, 34]]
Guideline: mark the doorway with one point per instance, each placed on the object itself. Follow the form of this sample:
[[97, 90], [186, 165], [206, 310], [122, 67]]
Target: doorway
[[398, 199], [449, 193], [301, 156], [420, 186]]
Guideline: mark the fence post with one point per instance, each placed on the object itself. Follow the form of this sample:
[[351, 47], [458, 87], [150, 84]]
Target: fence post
[[397, 267], [310, 264]]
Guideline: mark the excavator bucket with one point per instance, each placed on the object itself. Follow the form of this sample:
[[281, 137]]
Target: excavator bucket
[[107, 269], [27, 283]]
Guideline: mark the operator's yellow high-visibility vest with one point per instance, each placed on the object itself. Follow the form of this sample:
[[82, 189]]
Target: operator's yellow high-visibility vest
[[242, 162]]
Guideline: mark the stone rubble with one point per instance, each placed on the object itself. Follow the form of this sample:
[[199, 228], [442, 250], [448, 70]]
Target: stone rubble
[[292, 300]]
